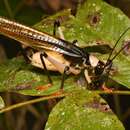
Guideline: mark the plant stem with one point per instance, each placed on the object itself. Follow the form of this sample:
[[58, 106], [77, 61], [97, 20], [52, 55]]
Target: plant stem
[[31, 102]]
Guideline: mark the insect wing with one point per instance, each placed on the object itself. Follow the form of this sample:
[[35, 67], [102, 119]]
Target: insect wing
[[37, 39]]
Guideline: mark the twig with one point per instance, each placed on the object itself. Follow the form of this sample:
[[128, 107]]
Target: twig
[[114, 92], [30, 102]]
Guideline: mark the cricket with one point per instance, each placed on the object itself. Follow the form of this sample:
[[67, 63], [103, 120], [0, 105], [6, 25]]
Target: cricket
[[57, 54]]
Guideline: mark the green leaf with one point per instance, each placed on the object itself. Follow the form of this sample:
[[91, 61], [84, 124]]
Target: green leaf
[[83, 110], [2, 104], [18, 76], [122, 71], [110, 24]]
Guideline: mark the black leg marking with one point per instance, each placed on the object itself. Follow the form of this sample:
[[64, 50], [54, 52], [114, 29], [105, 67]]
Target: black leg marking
[[56, 25], [74, 42], [74, 10], [75, 5], [44, 65], [63, 77]]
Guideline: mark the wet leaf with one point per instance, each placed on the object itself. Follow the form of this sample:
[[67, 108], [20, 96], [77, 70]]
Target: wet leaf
[[83, 110]]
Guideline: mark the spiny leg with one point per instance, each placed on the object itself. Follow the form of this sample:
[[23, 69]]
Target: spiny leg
[[75, 5], [63, 77], [56, 25], [58, 65], [61, 67], [66, 69], [87, 77], [44, 65]]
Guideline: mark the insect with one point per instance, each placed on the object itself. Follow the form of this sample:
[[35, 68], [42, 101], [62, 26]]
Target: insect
[[57, 54]]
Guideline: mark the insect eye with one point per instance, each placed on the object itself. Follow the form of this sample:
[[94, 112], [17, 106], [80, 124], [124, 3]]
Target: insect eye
[[99, 69]]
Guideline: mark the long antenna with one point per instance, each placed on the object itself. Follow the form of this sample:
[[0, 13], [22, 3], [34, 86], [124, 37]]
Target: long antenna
[[119, 52], [116, 45], [114, 58], [108, 72]]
